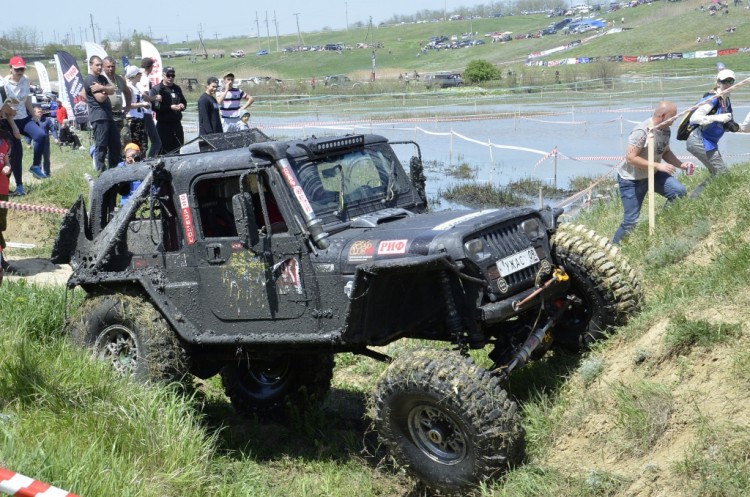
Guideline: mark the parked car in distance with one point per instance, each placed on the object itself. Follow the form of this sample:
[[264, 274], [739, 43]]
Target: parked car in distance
[[237, 54], [443, 80], [335, 80], [262, 52]]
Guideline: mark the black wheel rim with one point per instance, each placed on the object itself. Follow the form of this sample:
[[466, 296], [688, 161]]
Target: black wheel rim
[[267, 379], [578, 315], [437, 434], [118, 346]]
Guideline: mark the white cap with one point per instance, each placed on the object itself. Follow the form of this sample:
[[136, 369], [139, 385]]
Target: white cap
[[724, 74], [131, 71]]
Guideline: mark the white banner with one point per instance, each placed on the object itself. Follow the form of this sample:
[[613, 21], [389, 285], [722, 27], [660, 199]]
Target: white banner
[[93, 49], [149, 50], [41, 72]]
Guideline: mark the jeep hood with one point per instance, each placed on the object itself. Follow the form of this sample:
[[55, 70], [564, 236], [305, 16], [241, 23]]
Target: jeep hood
[[424, 234]]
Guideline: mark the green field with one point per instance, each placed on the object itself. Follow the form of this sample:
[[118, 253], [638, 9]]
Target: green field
[[651, 29]]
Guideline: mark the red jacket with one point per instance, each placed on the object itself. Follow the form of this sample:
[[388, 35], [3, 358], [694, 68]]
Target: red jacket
[[61, 114]]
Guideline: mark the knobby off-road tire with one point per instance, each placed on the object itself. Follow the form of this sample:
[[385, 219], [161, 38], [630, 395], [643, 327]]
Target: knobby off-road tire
[[446, 420], [267, 388], [131, 335], [601, 278]]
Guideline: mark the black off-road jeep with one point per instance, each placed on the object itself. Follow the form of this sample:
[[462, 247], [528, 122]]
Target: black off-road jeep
[[259, 260]]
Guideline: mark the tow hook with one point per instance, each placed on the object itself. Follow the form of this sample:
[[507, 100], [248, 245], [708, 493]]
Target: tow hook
[[558, 275]]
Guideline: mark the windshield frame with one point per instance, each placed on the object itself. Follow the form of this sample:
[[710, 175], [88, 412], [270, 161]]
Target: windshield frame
[[372, 176]]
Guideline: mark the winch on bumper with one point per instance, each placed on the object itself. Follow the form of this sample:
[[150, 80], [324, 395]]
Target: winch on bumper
[[555, 286]]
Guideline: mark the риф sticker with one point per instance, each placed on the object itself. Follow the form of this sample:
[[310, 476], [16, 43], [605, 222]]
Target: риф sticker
[[390, 247]]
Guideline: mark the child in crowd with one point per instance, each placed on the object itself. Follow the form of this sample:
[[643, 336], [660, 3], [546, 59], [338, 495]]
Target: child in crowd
[[68, 137], [132, 155], [243, 124]]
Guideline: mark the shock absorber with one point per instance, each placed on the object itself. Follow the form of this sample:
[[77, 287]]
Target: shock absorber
[[453, 318]]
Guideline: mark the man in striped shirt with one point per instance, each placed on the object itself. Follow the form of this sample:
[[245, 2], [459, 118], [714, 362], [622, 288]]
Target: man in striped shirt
[[231, 103]]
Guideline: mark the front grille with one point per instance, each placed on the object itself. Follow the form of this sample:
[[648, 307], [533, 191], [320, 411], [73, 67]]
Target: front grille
[[508, 240]]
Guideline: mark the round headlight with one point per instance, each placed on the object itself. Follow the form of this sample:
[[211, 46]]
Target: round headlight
[[532, 228], [474, 247]]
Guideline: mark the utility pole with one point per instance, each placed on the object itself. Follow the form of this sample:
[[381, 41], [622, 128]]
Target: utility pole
[[119, 29], [93, 33], [346, 10], [370, 33], [268, 33], [276, 24], [299, 34], [257, 28], [216, 35]]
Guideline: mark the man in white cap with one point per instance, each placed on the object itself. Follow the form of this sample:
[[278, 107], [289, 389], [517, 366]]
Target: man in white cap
[[709, 122]]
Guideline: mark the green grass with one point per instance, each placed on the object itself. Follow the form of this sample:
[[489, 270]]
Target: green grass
[[643, 411], [68, 421], [684, 333], [715, 465]]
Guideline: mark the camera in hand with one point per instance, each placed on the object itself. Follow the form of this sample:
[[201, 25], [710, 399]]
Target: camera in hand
[[731, 126]]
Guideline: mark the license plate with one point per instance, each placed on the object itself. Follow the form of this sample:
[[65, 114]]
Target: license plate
[[517, 261]]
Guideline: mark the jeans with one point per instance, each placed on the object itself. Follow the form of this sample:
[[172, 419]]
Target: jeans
[[108, 146], [31, 130], [712, 159], [153, 136], [632, 193]]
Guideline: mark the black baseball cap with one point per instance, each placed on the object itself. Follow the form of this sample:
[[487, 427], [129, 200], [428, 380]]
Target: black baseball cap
[[168, 69], [212, 79]]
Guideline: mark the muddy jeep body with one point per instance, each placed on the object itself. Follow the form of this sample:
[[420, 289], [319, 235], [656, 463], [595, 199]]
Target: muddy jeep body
[[261, 259]]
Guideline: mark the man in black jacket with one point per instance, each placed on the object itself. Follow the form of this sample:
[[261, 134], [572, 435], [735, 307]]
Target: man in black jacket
[[169, 103], [209, 119]]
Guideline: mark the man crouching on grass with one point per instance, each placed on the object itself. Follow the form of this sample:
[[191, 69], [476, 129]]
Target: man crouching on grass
[[633, 173]]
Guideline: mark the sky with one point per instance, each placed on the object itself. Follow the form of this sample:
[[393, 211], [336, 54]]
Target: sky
[[183, 19]]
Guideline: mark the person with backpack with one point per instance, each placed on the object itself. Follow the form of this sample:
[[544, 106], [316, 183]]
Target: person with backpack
[[708, 123], [632, 176]]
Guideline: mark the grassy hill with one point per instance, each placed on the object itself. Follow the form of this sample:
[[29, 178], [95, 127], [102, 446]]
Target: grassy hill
[[659, 409], [660, 27]]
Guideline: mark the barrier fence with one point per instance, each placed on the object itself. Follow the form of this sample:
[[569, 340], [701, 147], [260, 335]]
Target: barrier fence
[[16, 484]]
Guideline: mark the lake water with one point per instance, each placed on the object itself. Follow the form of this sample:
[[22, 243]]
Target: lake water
[[496, 140]]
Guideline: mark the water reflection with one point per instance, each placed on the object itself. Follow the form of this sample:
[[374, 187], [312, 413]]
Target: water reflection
[[590, 138]]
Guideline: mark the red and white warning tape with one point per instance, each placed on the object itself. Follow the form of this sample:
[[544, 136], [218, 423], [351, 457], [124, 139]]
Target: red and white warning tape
[[16, 484], [34, 208]]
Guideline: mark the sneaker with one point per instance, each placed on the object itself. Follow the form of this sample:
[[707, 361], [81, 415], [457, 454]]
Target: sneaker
[[19, 191], [37, 172]]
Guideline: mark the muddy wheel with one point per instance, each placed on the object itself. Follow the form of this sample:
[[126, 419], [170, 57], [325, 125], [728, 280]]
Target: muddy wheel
[[605, 286], [446, 420], [131, 335], [268, 387]]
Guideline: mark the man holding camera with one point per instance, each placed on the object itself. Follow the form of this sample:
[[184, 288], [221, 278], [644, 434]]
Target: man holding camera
[[710, 121]]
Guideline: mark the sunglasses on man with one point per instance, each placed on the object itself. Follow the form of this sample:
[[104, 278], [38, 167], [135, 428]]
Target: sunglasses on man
[[728, 81]]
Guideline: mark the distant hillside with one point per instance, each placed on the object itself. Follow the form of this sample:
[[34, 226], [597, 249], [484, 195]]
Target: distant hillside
[[649, 29]]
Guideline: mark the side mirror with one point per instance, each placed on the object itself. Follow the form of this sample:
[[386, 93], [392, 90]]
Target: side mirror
[[244, 216]]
